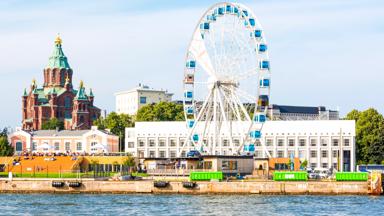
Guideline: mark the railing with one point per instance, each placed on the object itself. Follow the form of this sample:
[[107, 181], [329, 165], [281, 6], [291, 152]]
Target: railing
[[174, 172]]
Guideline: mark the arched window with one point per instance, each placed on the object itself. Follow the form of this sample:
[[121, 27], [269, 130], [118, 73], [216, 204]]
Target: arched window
[[67, 102]]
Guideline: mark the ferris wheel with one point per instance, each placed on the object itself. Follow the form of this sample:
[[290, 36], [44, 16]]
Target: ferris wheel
[[226, 82]]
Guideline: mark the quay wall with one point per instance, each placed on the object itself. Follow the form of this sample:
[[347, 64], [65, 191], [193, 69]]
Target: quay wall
[[147, 186]]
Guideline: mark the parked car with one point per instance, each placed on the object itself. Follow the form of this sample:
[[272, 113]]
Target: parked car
[[323, 172], [312, 174], [193, 153]]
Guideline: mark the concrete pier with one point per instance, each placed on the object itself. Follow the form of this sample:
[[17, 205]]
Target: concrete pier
[[147, 186]]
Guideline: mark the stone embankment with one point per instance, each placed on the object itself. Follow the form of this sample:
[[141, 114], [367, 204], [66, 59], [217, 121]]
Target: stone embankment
[[147, 186]]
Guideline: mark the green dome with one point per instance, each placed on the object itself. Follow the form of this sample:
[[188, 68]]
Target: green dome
[[58, 59]]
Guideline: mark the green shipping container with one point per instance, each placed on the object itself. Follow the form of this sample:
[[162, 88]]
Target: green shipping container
[[205, 176], [351, 176], [290, 176]]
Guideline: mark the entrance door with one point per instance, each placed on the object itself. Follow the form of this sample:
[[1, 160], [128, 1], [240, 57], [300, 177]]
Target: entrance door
[[347, 161], [19, 146]]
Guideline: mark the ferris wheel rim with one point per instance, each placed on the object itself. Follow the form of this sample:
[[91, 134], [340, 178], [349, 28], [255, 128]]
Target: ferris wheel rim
[[197, 30]]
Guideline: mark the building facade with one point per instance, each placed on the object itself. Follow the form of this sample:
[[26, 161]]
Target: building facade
[[287, 113], [57, 98], [129, 102], [324, 144], [64, 141]]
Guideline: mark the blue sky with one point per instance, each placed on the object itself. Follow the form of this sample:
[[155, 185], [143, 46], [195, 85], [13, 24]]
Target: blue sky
[[323, 52]]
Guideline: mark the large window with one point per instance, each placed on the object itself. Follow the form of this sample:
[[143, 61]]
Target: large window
[[172, 142], [291, 142], [346, 142], [67, 146], [151, 143], [19, 146], [324, 153], [67, 102], [280, 142], [162, 154], [324, 142], [229, 165], [313, 142], [269, 142], [57, 146], [34, 146], [302, 142], [334, 153], [162, 142], [313, 154], [152, 154], [335, 142], [79, 146], [141, 143], [280, 154], [172, 154], [143, 100]]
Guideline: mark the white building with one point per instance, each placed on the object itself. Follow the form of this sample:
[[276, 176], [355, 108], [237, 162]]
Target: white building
[[321, 143], [289, 113], [129, 102]]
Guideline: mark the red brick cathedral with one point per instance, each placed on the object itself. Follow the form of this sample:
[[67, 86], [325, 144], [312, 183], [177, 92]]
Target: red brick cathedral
[[57, 98]]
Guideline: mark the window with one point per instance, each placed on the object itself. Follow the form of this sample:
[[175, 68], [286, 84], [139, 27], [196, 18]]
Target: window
[[313, 165], [151, 143], [334, 153], [324, 142], [280, 142], [152, 154], [141, 143], [346, 142], [301, 154], [335, 142], [143, 100], [207, 165], [162, 142], [236, 142], [67, 102], [280, 154], [162, 154], [324, 153], [313, 154], [291, 142], [302, 142], [334, 165], [269, 142], [79, 146], [172, 154], [281, 166], [67, 146], [324, 165], [131, 144], [182, 142], [257, 143], [229, 165], [258, 154], [19, 146], [183, 154], [34, 146], [225, 142], [57, 146], [313, 142], [270, 153], [172, 142], [291, 154]]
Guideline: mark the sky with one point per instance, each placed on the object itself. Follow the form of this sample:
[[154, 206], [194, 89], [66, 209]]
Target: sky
[[322, 52]]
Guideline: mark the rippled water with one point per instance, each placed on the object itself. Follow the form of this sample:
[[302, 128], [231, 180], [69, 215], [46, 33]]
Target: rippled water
[[137, 204]]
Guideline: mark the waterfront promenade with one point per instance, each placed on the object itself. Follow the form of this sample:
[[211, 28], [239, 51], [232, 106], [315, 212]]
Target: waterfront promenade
[[147, 186]]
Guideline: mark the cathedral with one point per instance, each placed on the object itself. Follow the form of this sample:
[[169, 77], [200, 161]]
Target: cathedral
[[57, 98]]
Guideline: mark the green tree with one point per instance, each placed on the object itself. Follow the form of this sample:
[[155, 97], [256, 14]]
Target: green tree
[[163, 111], [5, 148], [369, 135], [116, 123], [129, 162], [52, 124]]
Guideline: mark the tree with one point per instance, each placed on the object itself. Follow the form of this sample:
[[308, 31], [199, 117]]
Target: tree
[[53, 124], [369, 135], [5, 148], [163, 111], [116, 123], [304, 164], [129, 162]]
